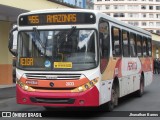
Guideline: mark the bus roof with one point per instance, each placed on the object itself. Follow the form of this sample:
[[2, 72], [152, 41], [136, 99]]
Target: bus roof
[[96, 12]]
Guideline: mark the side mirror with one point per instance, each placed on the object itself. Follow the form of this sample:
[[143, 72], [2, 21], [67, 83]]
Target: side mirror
[[11, 41]]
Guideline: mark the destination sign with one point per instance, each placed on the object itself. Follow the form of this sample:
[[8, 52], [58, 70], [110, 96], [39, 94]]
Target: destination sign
[[26, 61], [57, 19]]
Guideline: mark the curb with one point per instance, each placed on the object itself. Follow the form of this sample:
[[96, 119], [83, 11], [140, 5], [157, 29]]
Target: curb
[[7, 86], [7, 92]]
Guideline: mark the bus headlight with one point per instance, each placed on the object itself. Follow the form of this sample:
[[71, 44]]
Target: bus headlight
[[86, 86], [24, 86], [80, 89]]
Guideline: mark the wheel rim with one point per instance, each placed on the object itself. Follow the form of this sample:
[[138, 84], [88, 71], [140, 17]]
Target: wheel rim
[[113, 97], [142, 87]]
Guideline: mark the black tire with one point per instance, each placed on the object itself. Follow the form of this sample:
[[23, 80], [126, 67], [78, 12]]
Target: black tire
[[140, 92], [109, 106]]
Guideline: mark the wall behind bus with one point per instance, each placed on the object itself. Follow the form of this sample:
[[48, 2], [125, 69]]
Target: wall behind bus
[[32, 4], [156, 51], [5, 56]]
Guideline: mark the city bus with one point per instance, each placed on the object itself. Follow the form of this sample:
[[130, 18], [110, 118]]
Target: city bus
[[79, 58]]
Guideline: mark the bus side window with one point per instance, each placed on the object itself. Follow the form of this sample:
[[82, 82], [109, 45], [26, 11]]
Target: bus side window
[[133, 49], [139, 46], [25, 49], [104, 44], [104, 38], [144, 46], [116, 42], [125, 38], [149, 45]]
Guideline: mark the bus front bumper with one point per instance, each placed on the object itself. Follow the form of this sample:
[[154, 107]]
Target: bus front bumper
[[88, 98]]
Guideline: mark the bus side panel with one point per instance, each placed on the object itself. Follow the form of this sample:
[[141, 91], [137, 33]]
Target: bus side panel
[[107, 79], [147, 68], [130, 81], [128, 70], [148, 76], [105, 91]]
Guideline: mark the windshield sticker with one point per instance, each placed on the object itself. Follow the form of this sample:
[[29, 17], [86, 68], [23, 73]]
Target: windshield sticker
[[26, 61], [84, 37], [62, 64], [47, 63]]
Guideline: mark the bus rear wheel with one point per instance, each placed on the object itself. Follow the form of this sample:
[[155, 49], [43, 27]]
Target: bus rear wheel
[[140, 92]]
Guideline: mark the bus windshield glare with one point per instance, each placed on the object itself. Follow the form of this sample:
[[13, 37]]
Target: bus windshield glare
[[69, 49]]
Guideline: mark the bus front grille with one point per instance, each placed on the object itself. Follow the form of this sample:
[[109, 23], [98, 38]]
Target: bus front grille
[[52, 88], [52, 100], [46, 76]]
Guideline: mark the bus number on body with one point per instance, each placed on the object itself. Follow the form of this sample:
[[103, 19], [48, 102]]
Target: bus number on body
[[69, 83]]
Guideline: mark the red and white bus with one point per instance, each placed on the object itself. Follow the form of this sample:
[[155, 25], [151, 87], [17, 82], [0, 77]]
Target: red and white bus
[[75, 57]]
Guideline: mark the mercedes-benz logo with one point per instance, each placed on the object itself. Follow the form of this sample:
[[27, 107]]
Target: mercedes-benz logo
[[51, 84]]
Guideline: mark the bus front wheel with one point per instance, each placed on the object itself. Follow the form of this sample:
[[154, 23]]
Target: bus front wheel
[[109, 106]]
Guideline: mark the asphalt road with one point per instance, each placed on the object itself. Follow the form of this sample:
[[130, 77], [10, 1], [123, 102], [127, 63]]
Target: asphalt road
[[7, 93], [149, 102]]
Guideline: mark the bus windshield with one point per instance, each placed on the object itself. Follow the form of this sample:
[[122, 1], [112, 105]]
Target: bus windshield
[[69, 49]]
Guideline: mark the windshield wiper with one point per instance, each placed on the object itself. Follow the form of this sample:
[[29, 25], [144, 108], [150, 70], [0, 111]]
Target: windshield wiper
[[71, 32], [38, 37], [39, 40], [66, 36]]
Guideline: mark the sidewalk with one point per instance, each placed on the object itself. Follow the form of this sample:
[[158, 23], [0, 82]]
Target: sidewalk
[[7, 86]]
